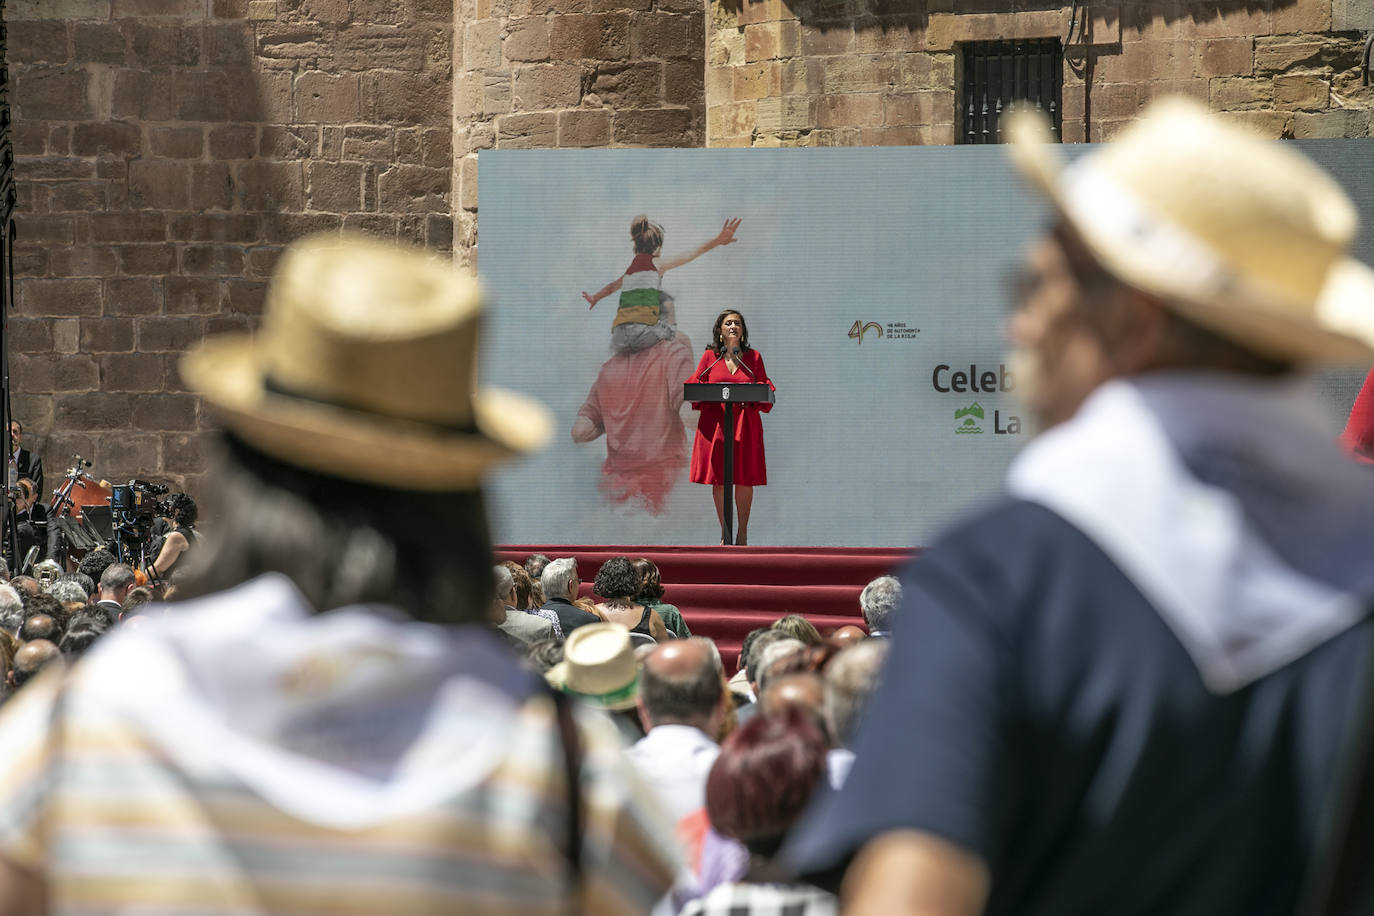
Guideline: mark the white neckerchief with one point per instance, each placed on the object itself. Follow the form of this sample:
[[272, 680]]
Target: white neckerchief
[[1114, 472]]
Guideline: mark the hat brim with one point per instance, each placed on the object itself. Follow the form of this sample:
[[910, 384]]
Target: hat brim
[[354, 445], [557, 678], [1347, 335]]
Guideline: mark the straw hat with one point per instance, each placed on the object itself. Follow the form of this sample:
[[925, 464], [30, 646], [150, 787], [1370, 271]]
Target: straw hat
[[365, 368], [1241, 235], [598, 666]]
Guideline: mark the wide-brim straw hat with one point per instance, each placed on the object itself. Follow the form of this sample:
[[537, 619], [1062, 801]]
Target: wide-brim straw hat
[[1241, 235], [365, 368], [598, 666]]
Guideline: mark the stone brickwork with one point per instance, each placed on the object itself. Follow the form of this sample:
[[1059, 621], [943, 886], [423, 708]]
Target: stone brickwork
[[880, 72], [167, 151], [573, 73]]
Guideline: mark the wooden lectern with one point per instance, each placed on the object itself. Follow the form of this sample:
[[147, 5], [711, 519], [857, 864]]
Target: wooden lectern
[[729, 394]]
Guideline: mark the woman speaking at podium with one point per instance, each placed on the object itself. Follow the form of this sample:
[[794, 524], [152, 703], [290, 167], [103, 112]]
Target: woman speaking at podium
[[728, 360]]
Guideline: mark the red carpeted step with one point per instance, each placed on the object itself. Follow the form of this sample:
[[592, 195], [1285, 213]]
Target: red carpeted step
[[724, 592]]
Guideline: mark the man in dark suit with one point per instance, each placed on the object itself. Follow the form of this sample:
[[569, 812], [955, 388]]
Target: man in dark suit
[[559, 582], [24, 463]]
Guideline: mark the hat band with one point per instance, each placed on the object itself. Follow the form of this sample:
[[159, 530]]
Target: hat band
[[274, 387], [614, 696]]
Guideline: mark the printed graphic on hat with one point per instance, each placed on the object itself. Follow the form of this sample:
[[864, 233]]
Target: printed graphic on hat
[[967, 414]]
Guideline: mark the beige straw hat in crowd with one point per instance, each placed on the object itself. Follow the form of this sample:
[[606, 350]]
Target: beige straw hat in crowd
[[365, 368], [1242, 235], [598, 666]]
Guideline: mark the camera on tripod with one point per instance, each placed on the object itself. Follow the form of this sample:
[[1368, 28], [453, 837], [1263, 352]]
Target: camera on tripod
[[133, 507]]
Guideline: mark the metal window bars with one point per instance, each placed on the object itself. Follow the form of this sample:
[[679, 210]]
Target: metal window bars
[[997, 73]]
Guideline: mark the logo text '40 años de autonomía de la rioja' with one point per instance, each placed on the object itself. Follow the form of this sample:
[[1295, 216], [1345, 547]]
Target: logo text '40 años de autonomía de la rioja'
[[893, 330]]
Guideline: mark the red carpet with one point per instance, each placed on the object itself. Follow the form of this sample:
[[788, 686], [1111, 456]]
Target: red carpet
[[725, 592]]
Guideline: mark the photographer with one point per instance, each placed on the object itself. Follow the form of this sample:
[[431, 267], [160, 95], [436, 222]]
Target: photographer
[[180, 509]]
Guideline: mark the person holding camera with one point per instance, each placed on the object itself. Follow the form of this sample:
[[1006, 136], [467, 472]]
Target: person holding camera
[[180, 510]]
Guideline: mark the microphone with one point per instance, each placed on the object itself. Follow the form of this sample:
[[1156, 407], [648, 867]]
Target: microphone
[[735, 352], [703, 372]]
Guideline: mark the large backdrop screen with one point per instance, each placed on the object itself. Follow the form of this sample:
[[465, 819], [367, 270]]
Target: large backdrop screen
[[873, 283]]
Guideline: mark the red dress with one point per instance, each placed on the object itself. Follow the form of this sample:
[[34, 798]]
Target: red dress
[[708, 451]]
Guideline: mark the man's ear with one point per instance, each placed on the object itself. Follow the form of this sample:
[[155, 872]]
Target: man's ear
[[1136, 330], [643, 714]]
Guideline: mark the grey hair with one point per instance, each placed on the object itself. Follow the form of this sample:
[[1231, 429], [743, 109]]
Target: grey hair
[[557, 576], [11, 609], [775, 652], [879, 599], [505, 582], [850, 679], [68, 590]]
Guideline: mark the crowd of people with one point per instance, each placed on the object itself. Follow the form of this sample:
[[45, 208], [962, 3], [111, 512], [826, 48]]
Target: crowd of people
[[1139, 684]]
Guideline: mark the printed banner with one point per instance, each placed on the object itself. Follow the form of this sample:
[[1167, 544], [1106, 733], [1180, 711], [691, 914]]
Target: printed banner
[[873, 284]]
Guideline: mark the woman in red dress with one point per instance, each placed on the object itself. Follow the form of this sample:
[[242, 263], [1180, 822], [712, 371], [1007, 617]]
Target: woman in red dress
[[731, 359]]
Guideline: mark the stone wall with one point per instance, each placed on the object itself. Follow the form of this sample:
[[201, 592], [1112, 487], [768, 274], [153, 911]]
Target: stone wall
[[167, 151], [573, 73], [880, 72]]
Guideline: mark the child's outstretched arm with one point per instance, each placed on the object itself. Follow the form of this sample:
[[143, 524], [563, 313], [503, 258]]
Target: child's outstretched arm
[[603, 292], [725, 237]]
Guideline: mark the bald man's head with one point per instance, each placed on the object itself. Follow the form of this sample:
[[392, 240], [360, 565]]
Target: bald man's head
[[32, 658], [682, 684], [39, 626], [848, 636], [802, 689]]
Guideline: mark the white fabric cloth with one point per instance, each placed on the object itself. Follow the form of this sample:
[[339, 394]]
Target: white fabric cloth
[[675, 761], [1237, 603], [838, 762]]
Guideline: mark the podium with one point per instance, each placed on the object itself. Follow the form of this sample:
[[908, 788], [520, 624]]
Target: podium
[[728, 394]]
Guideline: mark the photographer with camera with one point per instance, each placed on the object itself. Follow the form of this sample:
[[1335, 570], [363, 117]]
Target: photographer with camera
[[180, 510]]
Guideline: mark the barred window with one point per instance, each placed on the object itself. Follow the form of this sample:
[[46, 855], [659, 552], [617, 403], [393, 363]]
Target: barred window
[[997, 73]]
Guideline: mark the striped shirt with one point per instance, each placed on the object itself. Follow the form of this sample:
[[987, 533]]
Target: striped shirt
[[338, 775], [639, 293]]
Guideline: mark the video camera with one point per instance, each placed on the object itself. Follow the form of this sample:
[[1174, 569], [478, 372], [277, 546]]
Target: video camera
[[134, 505]]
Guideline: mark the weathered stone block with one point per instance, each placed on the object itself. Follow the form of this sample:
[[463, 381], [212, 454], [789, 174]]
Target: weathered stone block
[[527, 131], [140, 226], [270, 186], [1301, 91], [161, 46], [1226, 57], [788, 113], [212, 260], [482, 45], [668, 36], [106, 138], [32, 335], [133, 296], [367, 143], [212, 186], [368, 47], [630, 85], [756, 81], [595, 36], [143, 95], [1271, 124], [849, 110], [1328, 125], [44, 93], [58, 297], [131, 372], [581, 129], [542, 87], [410, 189], [394, 97], [159, 185], [175, 333], [335, 186], [663, 127], [83, 262], [16, 10], [176, 142], [527, 39], [98, 43], [105, 335], [326, 97], [165, 411], [1278, 54], [37, 41], [146, 260], [228, 46], [235, 141], [78, 196], [1352, 15], [1240, 93]]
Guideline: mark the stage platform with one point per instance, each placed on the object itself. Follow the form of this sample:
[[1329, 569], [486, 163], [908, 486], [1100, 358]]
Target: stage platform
[[724, 592]]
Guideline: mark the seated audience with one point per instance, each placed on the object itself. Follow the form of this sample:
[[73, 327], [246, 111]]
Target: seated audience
[[762, 779], [799, 628], [879, 601], [802, 689], [117, 580], [534, 567], [69, 591], [40, 626], [32, 657], [45, 604], [681, 703], [25, 585], [86, 583], [560, 584], [599, 668], [95, 562], [651, 595], [83, 629], [524, 597], [849, 681], [617, 584], [848, 636], [544, 654], [769, 656], [11, 610], [520, 627]]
